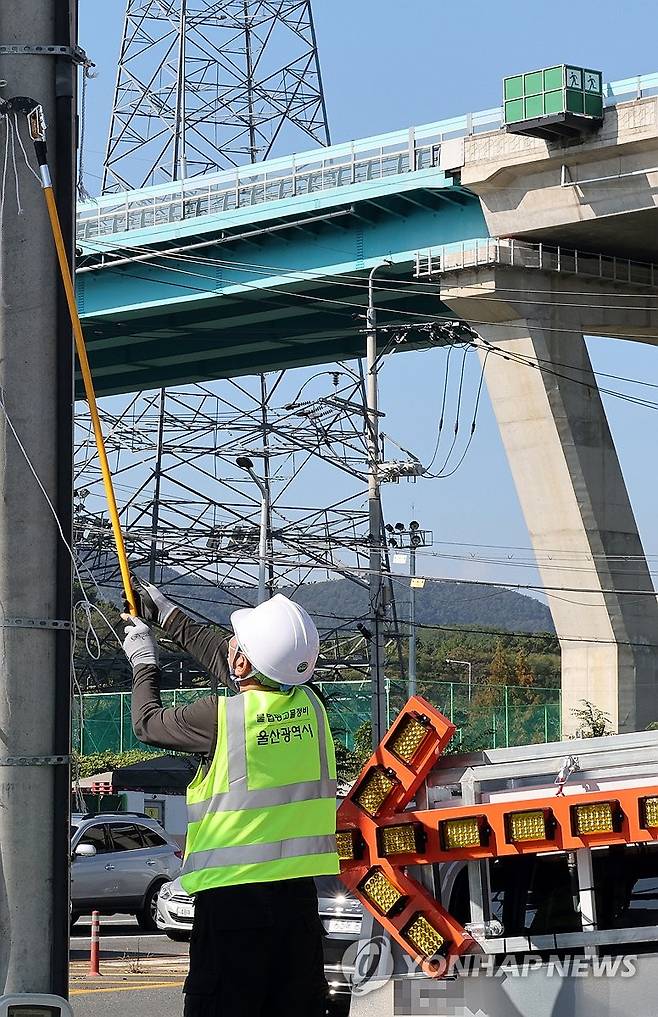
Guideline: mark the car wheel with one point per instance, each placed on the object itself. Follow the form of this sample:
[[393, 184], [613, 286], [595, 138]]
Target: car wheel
[[146, 916], [178, 935]]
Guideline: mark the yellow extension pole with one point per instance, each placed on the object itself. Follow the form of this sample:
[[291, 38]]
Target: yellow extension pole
[[67, 280]]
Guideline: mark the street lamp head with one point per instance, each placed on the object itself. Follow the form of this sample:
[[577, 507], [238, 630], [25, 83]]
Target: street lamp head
[[413, 525], [388, 528], [400, 527], [245, 463]]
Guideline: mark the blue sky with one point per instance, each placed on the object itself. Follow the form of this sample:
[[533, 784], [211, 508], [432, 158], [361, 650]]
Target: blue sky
[[389, 65]]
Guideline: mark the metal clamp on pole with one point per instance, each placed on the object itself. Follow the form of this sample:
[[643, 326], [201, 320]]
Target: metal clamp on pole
[[35, 761], [34, 623], [74, 53]]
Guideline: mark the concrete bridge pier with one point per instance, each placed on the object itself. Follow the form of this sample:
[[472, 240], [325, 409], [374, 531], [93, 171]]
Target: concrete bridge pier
[[568, 476]]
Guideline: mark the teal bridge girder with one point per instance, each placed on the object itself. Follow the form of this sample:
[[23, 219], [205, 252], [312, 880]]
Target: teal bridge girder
[[264, 267]]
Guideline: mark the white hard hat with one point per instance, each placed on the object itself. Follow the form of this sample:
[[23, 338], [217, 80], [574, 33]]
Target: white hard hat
[[280, 639]]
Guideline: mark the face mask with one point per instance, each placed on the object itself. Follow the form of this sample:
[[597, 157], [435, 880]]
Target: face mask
[[234, 678]]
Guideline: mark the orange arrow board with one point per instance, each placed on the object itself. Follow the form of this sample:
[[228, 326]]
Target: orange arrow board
[[386, 785], [377, 838]]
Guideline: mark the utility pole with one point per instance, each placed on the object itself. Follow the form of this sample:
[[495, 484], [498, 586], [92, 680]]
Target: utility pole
[[36, 374], [412, 622], [379, 712], [179, 162], [253, 149], [411, 537]]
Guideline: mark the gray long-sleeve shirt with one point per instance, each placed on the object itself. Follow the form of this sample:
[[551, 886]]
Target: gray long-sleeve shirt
[[191, 728]]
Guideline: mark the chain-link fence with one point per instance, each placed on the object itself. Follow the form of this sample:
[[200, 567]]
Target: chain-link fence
[[487, 716]]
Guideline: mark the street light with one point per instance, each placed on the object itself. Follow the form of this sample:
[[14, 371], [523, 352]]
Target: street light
[[245, 463], [469, 666]]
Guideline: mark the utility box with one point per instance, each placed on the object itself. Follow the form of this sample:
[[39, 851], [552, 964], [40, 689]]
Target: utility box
[[554, 103]]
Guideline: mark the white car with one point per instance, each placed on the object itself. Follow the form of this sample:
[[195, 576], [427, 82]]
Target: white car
[[339, 911], [175, 911], [119, 862]]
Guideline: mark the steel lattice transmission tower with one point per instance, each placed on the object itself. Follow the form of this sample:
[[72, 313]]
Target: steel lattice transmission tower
[[206, 85]]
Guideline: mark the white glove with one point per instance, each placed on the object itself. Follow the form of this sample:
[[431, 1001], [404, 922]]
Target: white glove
[[139, 645]]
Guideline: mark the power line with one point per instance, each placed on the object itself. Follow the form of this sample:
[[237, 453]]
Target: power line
[[460, 629]]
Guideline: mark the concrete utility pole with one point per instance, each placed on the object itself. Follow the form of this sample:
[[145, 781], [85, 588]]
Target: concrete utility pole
[[411, 537], [35, 572], [379, 712], [411, 687]]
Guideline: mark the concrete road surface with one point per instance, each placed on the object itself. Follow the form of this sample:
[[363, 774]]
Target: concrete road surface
[[141, 973], [133, 997]]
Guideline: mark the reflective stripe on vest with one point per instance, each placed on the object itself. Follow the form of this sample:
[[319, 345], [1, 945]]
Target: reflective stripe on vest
[[239, 832]]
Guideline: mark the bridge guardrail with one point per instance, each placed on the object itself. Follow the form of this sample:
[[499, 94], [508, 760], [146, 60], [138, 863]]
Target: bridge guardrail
[[520, 254], [376, 157], [196, 199]]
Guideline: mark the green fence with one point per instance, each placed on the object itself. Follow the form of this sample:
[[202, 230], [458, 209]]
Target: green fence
[[494, 716]]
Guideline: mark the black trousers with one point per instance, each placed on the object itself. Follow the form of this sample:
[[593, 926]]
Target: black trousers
[[256, 952]]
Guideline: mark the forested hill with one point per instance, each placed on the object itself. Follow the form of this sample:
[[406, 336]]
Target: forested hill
[[438, 603]]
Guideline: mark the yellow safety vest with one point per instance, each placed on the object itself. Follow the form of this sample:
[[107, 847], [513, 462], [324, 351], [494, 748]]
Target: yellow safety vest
[[266, 808]]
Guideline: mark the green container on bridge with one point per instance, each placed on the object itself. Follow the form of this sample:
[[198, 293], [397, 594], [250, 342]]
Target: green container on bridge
[[555, 102]]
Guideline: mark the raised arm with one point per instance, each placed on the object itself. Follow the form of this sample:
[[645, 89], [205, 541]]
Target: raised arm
[[201, 641], [191, 728]]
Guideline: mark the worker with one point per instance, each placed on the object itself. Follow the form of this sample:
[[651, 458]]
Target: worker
[[261, 808]]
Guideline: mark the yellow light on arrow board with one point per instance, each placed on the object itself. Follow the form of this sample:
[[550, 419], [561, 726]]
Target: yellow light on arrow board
[[423, 936]]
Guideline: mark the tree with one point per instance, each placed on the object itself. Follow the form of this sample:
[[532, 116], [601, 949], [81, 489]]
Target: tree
[[523, 673], [593, 722], [347, 764], [101, 762], [501, 668], [362, 744]]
